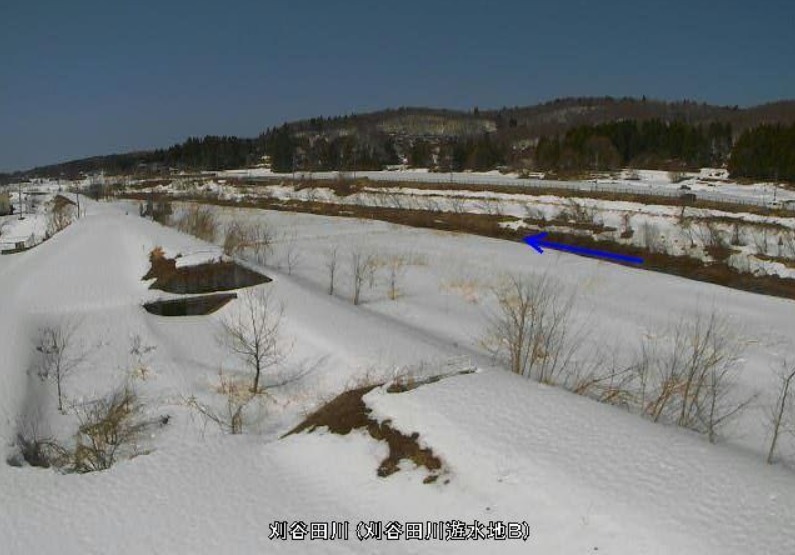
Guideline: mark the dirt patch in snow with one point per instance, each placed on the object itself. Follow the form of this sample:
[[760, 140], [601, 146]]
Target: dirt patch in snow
[[348, 411], [221, 275]]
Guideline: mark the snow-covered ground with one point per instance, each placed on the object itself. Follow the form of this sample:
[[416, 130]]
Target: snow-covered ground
[[708, 184], [762, 244], [586, 477]]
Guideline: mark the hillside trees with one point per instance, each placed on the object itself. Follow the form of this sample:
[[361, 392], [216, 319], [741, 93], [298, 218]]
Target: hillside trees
[[621, 143], [765, 152]]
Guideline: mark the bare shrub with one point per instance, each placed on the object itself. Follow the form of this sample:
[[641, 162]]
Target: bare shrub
[[782, 413], [162, 211], [362, 269], [396, 266], [736, 239], [396, 200], [252, 333], [141, 354], [291, 255], [61, 215], [626, 226], [711, 236], [534, 213], [237, 237], [457, 204], [331, 266], [632, 175], [110, 428], [38, 449], [200, 222], [578, 212], [760, 240], [230, 419], [60, 353], [529, 331], [788, 239], [676, 176], [650, 237], [431, 204], [692, 378], [490, 206], [262, 246]]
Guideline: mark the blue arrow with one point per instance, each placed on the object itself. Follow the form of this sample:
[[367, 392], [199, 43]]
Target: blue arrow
[[538, 241]]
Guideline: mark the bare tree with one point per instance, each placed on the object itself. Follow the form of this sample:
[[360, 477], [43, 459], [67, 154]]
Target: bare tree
[[331, 266], [292, 256], [252, 333], [783, 407], [60, 353], [362, 269], [263, 242], [530, 328]]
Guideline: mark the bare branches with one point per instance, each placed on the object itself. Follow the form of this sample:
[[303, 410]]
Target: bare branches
[[331, 266], [230, 418], [110, 427], [529, 330], [252, 333], [396, 265], [690, 381], [60, 353], [362, 269], [292, 256], [200, 222], [61, 215], [252, 239], [782, 412]]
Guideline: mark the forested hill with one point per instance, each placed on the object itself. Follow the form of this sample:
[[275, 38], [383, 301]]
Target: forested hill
[[562, 135]]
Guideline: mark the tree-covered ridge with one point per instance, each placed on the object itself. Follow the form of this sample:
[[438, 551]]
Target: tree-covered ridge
[[574, 134], [765, 152], [624, 143]]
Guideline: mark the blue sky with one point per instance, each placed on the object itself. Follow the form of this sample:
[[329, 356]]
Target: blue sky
[[88, 77]]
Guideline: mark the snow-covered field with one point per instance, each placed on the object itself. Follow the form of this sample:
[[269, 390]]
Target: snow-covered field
[[758, 244], [709, 184], [585, 476]]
